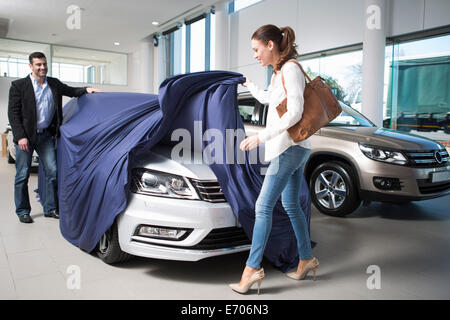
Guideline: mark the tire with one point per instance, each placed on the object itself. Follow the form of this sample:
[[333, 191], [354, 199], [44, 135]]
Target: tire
[[333, 189], [10, 159], [108, 248]]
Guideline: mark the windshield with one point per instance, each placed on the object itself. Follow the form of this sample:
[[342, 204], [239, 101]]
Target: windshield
[[350, 118]]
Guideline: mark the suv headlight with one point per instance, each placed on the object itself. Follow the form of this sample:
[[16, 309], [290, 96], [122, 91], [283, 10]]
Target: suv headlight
[[380, 154], [156, 183]]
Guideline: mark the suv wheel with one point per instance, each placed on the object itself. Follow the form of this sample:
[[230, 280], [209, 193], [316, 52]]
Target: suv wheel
[[333, 189], [108, 248]]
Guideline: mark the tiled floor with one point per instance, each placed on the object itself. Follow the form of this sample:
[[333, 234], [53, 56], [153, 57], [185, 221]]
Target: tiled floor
[[410, 244]]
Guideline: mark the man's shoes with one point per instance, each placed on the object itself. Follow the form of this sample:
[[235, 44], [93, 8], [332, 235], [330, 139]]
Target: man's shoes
[[52, 214], [25, 218]]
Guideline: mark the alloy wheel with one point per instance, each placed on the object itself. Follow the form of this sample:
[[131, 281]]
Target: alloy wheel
[[330, 189]]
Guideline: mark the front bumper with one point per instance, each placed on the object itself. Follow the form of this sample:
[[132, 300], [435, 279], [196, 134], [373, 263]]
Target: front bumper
[[415, 183], [215, 229]]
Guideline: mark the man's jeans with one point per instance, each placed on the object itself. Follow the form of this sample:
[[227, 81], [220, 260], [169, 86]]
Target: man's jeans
[[283, 177], [45, 147]]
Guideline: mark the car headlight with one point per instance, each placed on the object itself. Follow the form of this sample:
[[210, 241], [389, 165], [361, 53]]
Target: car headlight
[[380, 154], [156, 183]]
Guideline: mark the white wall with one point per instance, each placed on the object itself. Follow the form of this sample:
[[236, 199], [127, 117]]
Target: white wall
[[415, 15]]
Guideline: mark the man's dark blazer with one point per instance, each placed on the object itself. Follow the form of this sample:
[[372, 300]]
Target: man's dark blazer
[[22, 107]]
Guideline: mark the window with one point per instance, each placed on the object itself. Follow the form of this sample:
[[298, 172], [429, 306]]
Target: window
[[190, 46], [251, 111], [66, 63], [14, 67], [14, 56], [246, 110], [89, 66], [197, 46], [342, 72], [418, 90], [175, 50], [237, 5]]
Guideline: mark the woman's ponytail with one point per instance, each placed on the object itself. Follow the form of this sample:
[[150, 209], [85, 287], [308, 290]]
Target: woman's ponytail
[[288, 48]]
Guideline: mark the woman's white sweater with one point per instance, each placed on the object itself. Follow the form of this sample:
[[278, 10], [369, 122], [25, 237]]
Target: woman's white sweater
[[275, 135]]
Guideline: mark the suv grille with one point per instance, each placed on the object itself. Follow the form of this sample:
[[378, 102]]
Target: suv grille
[[223, 238], [427, 187], [209, 190], [428, 158]]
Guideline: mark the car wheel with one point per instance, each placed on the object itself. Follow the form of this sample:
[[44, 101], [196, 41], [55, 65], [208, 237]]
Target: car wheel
[[108, 248], [333, 189], [10, 159]]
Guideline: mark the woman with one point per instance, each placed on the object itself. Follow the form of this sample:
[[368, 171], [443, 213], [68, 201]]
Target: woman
[[274, 46]]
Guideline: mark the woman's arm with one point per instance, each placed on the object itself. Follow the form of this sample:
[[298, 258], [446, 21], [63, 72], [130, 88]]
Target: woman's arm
[[262, 96], [294, 82]]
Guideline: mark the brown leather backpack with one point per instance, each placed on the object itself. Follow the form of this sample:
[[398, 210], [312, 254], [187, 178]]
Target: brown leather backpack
[[320, 107]]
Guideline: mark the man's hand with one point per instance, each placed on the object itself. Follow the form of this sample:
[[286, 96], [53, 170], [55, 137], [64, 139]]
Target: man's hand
[[92, 90], [23, 144], [249, 143]]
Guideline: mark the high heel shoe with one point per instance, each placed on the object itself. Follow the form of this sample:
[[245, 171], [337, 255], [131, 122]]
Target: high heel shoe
[[258, 276], [313, 264]]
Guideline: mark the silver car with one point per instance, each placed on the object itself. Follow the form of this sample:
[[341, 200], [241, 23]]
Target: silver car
[[176, 211]]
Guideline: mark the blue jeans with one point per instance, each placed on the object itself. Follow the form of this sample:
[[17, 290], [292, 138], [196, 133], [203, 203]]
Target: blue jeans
[[45, 148], [283, 177]]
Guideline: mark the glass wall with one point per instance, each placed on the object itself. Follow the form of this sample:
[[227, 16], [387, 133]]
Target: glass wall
[[237, 5], [342, 72], [418, 91], [197, 45], [89, 66], [190, 48], [14, 56], [66, 63]]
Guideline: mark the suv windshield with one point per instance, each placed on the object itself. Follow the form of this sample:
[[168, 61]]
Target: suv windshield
[[254, 113], [350, 118]]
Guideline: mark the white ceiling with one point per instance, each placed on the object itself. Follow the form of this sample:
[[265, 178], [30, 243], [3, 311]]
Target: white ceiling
[[103, 22]]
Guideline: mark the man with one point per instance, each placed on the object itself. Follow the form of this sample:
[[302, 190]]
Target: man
[[35, 114]]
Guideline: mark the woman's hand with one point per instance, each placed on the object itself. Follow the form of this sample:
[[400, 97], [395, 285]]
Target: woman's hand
[[247, 81], [249, 143]]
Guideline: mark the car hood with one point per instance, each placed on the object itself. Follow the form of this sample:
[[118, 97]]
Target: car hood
[[159, 158], [381, 137]]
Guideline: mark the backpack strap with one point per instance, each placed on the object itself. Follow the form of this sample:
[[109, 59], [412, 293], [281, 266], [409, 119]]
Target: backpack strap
[[303, 71]]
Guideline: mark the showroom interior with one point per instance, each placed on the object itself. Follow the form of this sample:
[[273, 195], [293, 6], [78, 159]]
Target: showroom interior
[[387, 59]]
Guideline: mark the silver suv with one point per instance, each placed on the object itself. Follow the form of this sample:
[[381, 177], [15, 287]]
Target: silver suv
[[352, 160]]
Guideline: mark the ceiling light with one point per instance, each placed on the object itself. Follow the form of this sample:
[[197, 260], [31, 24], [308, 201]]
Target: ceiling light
[[117, 43], [155, 23]]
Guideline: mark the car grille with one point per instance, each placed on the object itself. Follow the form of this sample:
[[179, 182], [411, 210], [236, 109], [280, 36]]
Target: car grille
[[426, 187], [223, 238], [217, 239], [426, 159], [209, 190]]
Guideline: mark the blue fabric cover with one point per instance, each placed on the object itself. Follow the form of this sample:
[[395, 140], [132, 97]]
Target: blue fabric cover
[[101, 133]]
